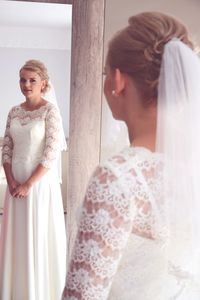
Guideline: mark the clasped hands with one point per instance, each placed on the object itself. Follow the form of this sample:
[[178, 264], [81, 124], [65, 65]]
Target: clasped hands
[[19, 190]]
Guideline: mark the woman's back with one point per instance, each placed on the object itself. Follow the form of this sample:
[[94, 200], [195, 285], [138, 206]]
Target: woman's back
[[142, 267], [146, 270], [121, 250]]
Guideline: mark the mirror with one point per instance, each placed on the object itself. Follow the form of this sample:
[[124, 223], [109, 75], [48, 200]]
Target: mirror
[[42, 31]]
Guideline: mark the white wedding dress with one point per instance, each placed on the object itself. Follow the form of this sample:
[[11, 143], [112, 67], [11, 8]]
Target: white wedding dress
[[33, 239], [120, 250]]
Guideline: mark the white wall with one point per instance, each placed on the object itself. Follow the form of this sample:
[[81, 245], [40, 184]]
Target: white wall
[[116, 17], [35, 36]]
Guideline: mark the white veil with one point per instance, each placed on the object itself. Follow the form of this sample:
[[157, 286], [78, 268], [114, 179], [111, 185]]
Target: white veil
[[50, 96], [178, 138]]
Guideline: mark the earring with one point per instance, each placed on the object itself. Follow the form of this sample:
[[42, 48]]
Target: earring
[[114, 93]]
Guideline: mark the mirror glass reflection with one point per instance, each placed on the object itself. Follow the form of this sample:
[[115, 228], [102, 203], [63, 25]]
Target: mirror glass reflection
[[39, 31]]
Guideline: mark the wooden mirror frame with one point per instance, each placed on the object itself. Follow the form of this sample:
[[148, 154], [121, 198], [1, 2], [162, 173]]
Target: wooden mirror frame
[[85, 101]]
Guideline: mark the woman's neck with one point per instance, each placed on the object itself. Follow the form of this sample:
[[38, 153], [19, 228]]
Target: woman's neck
[[143, 133], [147, 141], [35, 103]]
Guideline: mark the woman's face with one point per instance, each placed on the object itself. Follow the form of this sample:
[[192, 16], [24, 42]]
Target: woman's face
[[31, 84]]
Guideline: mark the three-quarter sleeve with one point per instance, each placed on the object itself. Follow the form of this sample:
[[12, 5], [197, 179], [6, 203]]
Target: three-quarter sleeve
[[103, 233], [7, 149], [52, 137]]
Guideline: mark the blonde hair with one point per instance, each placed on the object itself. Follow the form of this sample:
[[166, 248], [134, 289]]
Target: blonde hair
[[137, 49], [38, 67]]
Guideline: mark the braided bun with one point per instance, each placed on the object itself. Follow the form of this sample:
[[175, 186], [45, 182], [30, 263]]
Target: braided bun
[[137, 49]]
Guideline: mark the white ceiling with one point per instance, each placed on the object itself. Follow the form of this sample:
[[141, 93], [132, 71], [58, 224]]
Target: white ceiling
[[20, 13]]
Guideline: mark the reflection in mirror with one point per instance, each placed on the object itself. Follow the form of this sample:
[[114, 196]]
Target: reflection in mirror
[[40, 31], [32, 241]]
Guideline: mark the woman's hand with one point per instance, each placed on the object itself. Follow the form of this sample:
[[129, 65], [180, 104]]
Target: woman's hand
[[22, 190], [12, 185]]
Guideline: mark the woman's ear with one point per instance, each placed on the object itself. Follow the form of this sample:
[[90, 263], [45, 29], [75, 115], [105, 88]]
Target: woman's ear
[[119, 81], [43, 85]]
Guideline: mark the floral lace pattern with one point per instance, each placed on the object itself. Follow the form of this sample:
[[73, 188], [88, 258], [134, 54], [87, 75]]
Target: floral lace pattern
[[48, 114], [119, 203]]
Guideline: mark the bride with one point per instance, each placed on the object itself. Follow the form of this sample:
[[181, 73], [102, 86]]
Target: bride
[[33, 240], [139, 233]]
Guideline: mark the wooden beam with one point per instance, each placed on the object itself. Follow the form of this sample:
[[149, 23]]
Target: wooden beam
[[85, 106]]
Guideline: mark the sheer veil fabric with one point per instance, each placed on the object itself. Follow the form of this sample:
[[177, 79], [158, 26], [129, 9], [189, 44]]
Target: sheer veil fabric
[[50, 96], [178, 139]]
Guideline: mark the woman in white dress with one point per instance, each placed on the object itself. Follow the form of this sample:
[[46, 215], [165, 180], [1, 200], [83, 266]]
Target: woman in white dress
[[139, 233], [33, 239]]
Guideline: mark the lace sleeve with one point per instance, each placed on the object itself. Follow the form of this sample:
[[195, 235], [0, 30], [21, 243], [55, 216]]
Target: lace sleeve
[[7, 148], [52, 137], [104, 229]]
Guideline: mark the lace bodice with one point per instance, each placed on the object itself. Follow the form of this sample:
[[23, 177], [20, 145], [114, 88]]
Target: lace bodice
[[118, 229], [32, 135]]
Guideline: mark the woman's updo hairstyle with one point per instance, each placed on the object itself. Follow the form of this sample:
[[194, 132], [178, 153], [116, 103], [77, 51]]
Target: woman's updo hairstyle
[[38, 67], [137, 49]]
